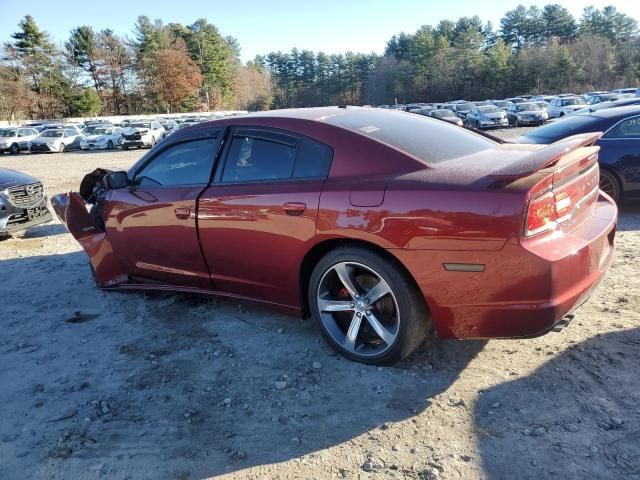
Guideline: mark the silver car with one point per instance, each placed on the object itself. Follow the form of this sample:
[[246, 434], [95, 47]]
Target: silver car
[[486, 116], [526, 114], [564, 106], [14, 139], [23, 202], [56, 140], [102, 138]]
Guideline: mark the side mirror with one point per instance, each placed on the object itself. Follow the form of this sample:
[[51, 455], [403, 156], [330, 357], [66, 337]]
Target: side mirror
[[117, 180]]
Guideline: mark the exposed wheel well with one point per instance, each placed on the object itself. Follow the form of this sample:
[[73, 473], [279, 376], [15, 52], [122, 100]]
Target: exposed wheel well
[[319, 250]]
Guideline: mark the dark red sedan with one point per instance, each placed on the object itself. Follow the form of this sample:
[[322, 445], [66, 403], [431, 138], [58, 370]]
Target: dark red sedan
[[377, 223]]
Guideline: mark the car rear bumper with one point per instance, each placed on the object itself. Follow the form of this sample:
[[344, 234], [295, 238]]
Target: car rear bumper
[[525, 289]]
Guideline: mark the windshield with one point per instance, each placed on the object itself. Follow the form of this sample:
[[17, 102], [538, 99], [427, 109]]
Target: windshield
[[424, 139], [51, 133], [527, 107], [140, 125], [7, 133], [102, 131], [488, 109], [574, 101], [542, 104], [442, 113], [502, 104]]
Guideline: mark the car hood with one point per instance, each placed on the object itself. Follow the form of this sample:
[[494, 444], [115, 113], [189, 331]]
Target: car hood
[[132, 130], [94, 138], [46, 139], [9, 178]]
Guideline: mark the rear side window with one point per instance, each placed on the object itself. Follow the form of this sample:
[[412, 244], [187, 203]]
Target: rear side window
[[258, 159], [313, 159], [187, 163], [429, 140], [629, 128]]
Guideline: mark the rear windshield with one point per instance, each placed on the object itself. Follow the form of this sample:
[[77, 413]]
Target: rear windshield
[[563, 128], [429, 140]]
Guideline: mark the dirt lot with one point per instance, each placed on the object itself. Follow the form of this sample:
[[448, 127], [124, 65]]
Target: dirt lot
[[110, 385]]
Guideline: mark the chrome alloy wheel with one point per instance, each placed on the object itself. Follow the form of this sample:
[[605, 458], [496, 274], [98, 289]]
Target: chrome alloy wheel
[[358, 308]]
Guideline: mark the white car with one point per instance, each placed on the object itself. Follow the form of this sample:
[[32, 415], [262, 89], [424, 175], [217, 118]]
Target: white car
[[142, 134], [564, 106], [102, 138], [14, 139], [56, 140]]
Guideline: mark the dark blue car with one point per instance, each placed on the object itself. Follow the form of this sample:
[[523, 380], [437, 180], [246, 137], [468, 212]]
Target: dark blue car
[[619, 145]]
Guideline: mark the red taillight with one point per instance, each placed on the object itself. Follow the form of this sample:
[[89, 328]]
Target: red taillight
[[561, 203], [542, 214]]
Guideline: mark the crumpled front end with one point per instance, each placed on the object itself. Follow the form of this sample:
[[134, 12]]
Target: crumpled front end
[[72, 212]]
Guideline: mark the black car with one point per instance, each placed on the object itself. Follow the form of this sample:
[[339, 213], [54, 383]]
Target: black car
[[23, 202], [619, 155]]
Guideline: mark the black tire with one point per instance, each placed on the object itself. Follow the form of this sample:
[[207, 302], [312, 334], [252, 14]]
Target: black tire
[[477, 125], [14, 149], [403, 301], [153, 141], [62, 148], [516, 123], [109, 145], [561, 114], [610, 184]]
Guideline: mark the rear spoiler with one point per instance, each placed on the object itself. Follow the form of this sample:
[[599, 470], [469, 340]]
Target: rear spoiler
[[546, 157]]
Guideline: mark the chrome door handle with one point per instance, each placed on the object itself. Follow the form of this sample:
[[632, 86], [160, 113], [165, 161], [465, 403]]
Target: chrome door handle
[[182, 213]]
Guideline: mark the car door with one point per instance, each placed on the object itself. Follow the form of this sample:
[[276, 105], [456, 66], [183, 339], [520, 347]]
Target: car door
[[258, 218], [152, 223], [22, 138], [620, 151]]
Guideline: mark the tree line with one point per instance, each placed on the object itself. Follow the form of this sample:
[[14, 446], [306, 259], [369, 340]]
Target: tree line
[[174, 67]]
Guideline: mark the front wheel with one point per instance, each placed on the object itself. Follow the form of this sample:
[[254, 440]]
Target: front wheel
[[61, 148], [367, 307], [15, 149], [610, 185]]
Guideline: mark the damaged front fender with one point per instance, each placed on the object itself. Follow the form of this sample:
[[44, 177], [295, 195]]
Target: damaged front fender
[[72, 212]]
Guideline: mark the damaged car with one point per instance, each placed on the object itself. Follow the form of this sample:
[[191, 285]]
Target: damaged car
[[383, 226], [23, 202]]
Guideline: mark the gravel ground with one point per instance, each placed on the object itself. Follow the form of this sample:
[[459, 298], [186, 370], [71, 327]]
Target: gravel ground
[[127, 386]]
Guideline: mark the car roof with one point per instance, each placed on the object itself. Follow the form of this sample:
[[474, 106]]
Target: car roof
[[615, 112]]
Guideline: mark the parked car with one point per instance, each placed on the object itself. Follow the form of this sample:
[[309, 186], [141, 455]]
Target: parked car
[[486, 116], [461, 109], [103, 138], [543, 98], [625, 90], [586, 96], [564, 106], [515, 100], [142, 134], [14, 139], [502, 104], [543, 106], [170, 126], [91, 127], [619, 155], [526, 114], [446, 115], [603, 97], [23, 202], [56, 140], [600, 106], [368, 219]]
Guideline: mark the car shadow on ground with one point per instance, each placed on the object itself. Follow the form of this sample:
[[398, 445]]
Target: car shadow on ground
[[45, 230], [629, 215], [203, 386], [576, 417]]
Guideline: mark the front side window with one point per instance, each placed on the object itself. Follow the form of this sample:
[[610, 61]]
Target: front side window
[[257, 159], [629, 128], [187, 163]]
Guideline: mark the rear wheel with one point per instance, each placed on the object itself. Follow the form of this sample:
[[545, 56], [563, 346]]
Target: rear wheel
[[610, 185], [14, 149], [367, 307]]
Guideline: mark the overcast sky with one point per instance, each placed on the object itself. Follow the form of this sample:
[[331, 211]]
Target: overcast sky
[[332, 26]]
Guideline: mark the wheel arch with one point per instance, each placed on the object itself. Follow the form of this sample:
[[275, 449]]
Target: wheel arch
[[322, 248]]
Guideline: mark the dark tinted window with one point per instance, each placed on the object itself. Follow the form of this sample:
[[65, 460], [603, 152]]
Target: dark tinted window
[[258, 159], [426, 139], [187, 163], [629, 128], [313, 159]]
